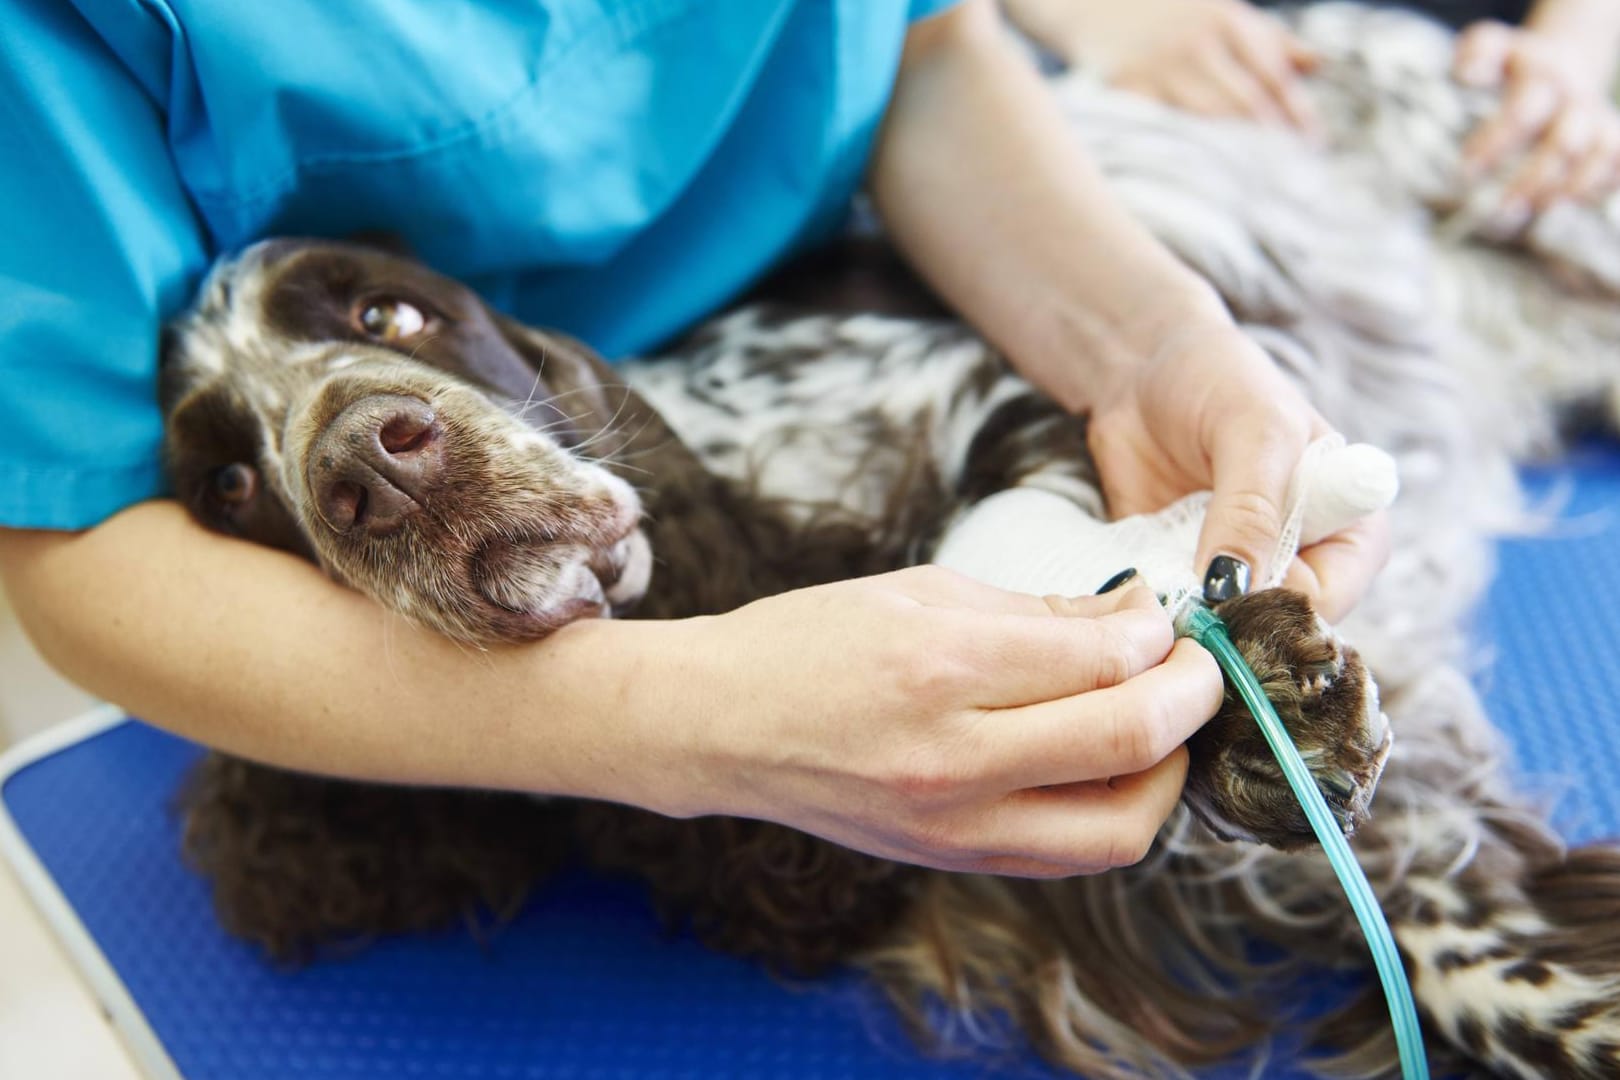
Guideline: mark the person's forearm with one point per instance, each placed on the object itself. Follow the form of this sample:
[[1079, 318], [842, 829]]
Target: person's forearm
[[1590, 29], [1047, 265], [906, 715], [254, 652]]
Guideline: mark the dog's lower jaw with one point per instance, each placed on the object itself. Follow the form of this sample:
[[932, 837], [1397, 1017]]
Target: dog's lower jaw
[[633, 565], [540, 587]]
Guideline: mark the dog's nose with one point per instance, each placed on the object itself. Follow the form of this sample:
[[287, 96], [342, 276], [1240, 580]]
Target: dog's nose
[[375, 464]]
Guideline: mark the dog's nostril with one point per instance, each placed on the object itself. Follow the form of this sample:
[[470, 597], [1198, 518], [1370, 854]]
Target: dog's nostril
[[376, 463], [345, 505], [408, 432]]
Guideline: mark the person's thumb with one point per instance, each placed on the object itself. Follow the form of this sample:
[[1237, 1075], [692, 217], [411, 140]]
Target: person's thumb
[[1246, 514]]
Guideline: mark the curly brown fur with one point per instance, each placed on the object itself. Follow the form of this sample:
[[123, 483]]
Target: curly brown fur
[[797, 903], [1065, 960], [297, 862]]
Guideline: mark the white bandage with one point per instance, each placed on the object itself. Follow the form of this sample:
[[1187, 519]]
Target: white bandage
[[1334, 486], [1034, 541]]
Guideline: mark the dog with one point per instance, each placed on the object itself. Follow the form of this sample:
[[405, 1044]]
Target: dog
[[496, 482]]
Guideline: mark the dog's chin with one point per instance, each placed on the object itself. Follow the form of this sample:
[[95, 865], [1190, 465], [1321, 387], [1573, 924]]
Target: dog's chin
[[533, 587], [629, 572]]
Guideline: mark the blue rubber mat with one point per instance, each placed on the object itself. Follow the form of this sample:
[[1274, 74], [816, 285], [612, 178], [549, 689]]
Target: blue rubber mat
[[584, 985], [1552, 626]]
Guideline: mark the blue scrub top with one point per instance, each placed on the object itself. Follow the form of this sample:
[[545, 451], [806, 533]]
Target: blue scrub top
[[613, 168]]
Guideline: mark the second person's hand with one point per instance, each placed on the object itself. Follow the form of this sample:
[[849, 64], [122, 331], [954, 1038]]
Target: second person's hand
[[1208, 410], [1220, 58], [1555, 134]]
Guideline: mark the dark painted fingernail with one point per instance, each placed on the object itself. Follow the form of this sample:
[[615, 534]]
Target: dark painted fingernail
[[1227, 577], [1117, 580]]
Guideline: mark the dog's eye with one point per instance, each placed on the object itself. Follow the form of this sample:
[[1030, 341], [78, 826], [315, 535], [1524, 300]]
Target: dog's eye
[[391, 320], [234, 485]]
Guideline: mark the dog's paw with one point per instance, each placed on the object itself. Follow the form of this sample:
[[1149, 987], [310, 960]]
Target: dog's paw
[[1329, 703]]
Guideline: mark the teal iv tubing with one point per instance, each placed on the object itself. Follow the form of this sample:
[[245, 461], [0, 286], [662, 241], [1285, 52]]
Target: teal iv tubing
[[1206, 628]]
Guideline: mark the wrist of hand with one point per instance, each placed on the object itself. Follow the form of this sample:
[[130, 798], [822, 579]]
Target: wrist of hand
[[1085, 355], [629, 717]]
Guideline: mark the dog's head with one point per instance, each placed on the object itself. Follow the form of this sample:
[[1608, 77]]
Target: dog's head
[[346, 404]]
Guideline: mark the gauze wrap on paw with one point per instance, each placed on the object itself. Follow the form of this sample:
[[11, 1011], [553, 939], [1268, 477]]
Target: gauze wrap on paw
[[1030, 540]]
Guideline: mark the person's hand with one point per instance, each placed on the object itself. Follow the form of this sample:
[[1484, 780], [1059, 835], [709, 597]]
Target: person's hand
[[924, 717], [1085, 303], [1211, 57], [1210, 411], [1555, 127]]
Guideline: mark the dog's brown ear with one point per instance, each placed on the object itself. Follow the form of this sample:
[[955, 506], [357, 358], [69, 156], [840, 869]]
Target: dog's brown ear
[[586, 390], [171, 383]]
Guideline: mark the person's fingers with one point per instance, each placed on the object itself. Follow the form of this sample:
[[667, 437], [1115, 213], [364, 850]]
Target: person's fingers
[[1092, 643], [941, 587], [1106, 732], [1268, 58], [1548, 172], [1079, 828], [1336, 572], [1198, 95], [1143, 84], [1304, 58], [1528, 106], [1297, 104], [1253, 463], [1611, 183], [1482, 54], [1239, 87], [1595, 175]]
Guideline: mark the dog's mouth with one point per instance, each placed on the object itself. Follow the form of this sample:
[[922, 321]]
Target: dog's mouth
[[542, 585]]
